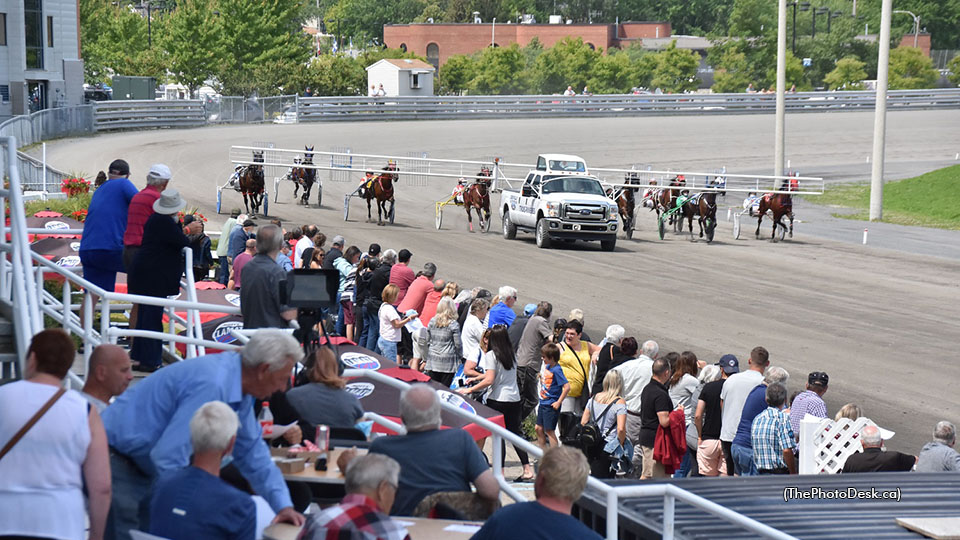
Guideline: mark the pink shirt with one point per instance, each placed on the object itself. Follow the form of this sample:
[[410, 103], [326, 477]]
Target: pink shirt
[[140, 210], [238, 263], [402, 276], [416, 295], [430, 306]]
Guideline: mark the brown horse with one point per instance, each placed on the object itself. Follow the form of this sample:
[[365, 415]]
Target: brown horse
[[304, 177], [477, 196], [666, 199], [708, 213], [779, 204], [251, 185], [626, 203], [381, 189]]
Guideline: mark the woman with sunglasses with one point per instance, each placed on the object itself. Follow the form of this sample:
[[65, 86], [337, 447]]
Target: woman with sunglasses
[[500, 375]]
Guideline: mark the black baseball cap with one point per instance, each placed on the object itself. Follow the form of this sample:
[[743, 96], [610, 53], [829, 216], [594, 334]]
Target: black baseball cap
[[729, 364], [119, 167], [818, 378], [249, 223], [374, 250]]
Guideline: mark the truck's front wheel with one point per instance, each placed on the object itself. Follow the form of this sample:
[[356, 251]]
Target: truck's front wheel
[[608, 245], [509, 229], [543, 237]]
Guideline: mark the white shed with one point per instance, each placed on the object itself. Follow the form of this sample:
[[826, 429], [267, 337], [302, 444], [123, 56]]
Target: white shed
[[401, 77]]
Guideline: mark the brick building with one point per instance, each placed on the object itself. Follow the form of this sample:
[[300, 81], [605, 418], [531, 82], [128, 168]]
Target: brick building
[[437, 42]]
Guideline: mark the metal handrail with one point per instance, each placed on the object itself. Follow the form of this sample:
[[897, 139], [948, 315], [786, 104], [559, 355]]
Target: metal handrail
[[24, 300], [669, 492]]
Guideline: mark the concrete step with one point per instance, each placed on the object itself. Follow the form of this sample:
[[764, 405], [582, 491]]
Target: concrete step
[[9, 368]]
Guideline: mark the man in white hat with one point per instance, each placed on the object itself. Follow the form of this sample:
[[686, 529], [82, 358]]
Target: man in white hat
[[141, 208]]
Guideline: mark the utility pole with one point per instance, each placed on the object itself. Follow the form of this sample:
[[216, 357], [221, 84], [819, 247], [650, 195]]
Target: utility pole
[[880, 115], [779, 149]]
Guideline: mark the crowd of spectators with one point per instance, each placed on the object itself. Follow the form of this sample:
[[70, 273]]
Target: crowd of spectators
[[154, 460]]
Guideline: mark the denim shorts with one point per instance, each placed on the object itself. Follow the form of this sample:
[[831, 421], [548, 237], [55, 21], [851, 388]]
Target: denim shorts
[[388, 349], [547, 417]]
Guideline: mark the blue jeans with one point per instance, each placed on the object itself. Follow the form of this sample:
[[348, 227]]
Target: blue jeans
[[388, 349], [372, 323], [130, 503], [340, 328], [684, 469], [743, 460]]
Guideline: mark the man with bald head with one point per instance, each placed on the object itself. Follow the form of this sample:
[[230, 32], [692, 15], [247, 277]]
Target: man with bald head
[[873, 458], [431, 459], [110, 374]]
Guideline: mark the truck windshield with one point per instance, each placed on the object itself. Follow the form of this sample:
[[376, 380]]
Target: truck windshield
[[568, 166], [572, 184]]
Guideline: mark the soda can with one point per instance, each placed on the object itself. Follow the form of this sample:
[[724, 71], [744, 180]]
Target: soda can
[[323, 438]]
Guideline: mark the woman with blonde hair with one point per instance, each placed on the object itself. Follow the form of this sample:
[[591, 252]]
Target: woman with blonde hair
[[391, 323], [609, 410], [441, 340], [850, 410], [451, 290], [324, 400]]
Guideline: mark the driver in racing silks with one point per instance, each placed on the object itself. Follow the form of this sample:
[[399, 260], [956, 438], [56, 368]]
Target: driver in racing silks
[[459, 190], [366, 183]]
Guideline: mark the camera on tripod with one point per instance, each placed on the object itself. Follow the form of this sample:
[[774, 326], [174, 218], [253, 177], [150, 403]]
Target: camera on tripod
[[311, 291]]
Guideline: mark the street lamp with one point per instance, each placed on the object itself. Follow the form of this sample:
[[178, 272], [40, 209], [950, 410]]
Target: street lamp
[[832, 16], [803, 7], [817, 11], [916, 24]]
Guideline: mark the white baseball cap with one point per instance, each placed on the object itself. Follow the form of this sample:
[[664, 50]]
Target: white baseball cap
[[160, 171]]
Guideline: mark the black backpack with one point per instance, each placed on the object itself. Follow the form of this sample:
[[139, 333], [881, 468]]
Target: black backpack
[[588, 435]]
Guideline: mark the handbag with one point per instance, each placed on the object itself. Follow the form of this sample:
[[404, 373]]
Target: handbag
[[30, 423], [589, 436]]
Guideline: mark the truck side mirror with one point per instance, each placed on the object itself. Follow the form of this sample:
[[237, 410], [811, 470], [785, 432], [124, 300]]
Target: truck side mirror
[[526, 191]]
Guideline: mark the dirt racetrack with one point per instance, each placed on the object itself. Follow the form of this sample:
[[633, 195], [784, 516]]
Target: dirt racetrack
[[882, 323]]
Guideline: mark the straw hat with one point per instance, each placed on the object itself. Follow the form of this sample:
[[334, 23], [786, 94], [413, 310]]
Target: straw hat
[[170, 202]]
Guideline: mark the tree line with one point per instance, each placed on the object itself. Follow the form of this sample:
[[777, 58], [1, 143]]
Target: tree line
[[260, 48]]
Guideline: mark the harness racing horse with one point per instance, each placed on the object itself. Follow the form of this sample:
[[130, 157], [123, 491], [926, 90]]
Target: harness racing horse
[[707, 206], [304, 177], [666, 199], [779, 204], [626, 203], [251, 184], [382, 190], [477, 196]]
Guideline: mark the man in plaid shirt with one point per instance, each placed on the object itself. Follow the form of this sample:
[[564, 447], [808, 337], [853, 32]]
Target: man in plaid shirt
[[772, 436], [371, 485], [810, 401]]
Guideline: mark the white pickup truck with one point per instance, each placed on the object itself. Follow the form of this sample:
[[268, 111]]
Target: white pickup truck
[[559, 200]]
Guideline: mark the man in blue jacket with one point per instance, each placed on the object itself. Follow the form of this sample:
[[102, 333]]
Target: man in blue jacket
[[149, 433]]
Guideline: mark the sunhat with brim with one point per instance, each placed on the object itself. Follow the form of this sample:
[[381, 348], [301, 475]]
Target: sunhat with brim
[[170, 202]]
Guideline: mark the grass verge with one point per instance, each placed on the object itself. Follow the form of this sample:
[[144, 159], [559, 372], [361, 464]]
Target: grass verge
[[928, 200]]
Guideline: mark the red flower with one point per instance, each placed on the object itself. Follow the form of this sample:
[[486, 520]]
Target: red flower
[[74, 186], [80, 215]]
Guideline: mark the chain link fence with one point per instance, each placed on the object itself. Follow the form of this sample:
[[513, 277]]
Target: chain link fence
[[253, 110]]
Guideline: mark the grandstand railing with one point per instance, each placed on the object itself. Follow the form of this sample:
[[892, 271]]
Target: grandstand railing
[[669, 492], [62, 309], [18, 290]]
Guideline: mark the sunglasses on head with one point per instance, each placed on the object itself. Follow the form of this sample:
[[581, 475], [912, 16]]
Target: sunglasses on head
[[498, 326]]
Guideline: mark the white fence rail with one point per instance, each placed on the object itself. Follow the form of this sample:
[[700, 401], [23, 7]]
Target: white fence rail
[[49, 124], [512, 175], [825, 444], [140, 114], [18, 289], [326, 109]]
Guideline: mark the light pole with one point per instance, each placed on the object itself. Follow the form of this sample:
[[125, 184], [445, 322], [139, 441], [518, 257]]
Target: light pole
[[817, 11], [493, 33], [880, 114], [916, 24], [780, 145], [830, 17], [803, 7]]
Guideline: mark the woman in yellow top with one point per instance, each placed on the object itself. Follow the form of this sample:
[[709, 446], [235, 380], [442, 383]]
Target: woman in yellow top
[[575, 358]]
